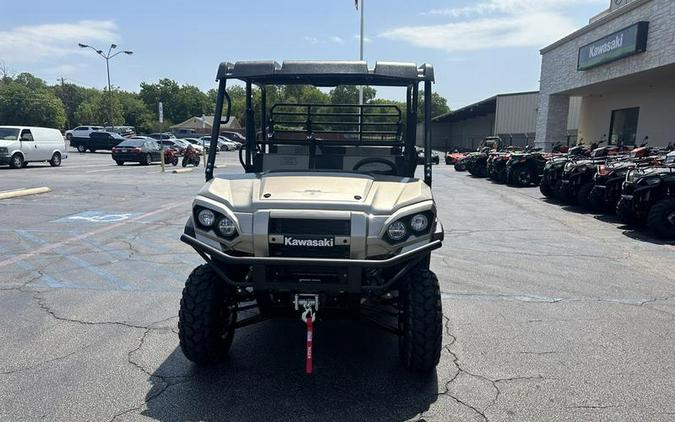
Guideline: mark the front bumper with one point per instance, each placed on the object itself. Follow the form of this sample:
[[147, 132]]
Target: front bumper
[[355, 269]]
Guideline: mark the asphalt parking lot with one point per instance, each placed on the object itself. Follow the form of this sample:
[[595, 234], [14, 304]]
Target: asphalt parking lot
[[551, 314]]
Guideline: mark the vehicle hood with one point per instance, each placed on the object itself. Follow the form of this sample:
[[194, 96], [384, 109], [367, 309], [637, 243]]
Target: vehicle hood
[[4, 143], [321, 191]]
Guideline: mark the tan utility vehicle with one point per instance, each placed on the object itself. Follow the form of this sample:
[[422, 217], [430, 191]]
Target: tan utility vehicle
[[328, 219]]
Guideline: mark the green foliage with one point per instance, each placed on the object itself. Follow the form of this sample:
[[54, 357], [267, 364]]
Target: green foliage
[[28, 100], [439, 106], [25, 100]]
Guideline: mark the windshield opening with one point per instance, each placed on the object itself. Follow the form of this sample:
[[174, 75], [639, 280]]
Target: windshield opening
[[9, 134]]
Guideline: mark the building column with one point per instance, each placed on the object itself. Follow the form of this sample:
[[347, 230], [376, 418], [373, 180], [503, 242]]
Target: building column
[[552, 120]]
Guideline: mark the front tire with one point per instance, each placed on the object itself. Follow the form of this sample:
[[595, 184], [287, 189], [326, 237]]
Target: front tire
[[119, 162], [81, 149], [420, 321], [147, 160], [661, 219], [546, 189], [208, 312], [584, 195], [56, 160], [522, 177], [17, 161]]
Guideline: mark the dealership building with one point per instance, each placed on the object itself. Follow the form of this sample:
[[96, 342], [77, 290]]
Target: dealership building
[[622, 67]]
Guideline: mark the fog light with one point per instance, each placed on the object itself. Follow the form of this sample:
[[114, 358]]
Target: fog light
[[419, 223], [206, 218], [397, 231], [226, 227]]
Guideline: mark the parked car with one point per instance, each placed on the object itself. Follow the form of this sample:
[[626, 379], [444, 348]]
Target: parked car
[[82, 131], [20, 145], [435, 158], [178, 147], [234, 136], [97, 140], [164, 135], [197, 144], [227, 144], [143, 151]]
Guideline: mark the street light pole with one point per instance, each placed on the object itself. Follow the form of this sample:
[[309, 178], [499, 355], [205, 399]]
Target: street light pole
[[107, 58]]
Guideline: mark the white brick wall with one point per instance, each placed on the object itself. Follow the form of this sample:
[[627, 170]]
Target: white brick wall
[[559, 62]]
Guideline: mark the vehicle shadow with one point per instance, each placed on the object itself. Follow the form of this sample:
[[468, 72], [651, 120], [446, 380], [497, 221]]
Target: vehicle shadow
[[645, 236], [356, 376]]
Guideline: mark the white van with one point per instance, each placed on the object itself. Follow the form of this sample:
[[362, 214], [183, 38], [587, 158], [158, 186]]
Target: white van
[[20, 145]]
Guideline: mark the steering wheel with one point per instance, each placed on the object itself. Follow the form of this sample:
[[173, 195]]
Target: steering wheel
[[393, 170]]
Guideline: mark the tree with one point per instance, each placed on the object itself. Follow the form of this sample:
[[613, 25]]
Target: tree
[[98, 108], [26, 100], [180, 102], [439, 106], [349, 94], [72, 96]]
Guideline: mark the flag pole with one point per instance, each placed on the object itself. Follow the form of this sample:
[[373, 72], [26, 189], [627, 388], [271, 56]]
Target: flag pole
[[361, 49]]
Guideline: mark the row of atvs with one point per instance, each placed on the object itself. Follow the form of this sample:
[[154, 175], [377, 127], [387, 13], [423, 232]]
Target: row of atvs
[[638, 184]]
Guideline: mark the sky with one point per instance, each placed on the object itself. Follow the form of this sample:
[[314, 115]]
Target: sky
[[478, 48]]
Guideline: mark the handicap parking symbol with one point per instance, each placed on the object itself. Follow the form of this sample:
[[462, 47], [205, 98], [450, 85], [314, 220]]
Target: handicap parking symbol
[[97, 217]]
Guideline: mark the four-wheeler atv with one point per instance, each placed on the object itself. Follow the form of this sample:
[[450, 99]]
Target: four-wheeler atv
[[328, 219], [452, 158], [476, 162], [526, 168], [649, 196], [460, 165], [496, 165], [578, 175]]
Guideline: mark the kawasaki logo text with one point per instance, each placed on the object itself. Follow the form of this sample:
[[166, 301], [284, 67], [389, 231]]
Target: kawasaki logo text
[[313, 243]]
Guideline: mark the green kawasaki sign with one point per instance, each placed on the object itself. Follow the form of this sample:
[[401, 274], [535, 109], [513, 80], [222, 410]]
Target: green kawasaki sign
[[624, 43]]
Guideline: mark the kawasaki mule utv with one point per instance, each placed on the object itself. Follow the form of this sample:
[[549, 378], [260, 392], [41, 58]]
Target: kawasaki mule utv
[[327, 220]]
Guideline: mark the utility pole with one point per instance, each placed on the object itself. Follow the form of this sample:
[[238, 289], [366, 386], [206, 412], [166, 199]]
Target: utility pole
[[65, 100]]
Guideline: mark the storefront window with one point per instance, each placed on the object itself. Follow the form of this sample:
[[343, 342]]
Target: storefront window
[[624, 125]]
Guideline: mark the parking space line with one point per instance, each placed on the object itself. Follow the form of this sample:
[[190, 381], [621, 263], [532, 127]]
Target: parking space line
[[52, 246], [116, 167], [81, 263]]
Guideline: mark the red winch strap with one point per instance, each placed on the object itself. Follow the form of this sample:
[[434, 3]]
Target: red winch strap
[[310, 335]]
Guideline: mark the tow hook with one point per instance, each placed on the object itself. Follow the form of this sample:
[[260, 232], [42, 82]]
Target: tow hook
[[309, 304]]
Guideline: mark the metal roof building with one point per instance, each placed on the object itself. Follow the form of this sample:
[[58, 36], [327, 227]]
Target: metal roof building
[[513, 117]]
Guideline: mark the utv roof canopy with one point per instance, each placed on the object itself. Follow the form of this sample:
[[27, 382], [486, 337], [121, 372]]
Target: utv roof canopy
[[326, 73]]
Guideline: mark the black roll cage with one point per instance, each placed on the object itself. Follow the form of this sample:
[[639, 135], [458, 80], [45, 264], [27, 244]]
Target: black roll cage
[[327, 74]]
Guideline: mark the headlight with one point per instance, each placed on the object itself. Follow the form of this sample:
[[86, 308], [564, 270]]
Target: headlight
[[4, 151], [397, 231], [419, 222], [206, 218], [653, 180], [226, 227]]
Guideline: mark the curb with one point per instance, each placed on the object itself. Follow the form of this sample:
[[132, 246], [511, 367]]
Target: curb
[[23, 192], [178, 171]]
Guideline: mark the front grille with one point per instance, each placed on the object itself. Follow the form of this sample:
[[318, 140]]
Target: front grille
[[303, 231], [307, 275], [309, 226]]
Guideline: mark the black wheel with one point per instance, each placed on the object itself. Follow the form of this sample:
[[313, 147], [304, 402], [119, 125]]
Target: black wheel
[[81, 148], [69, 136], [147, 160], [584, 195], [174, 162], [17, 161], [208, 312], [661, 218], [119, 162], [197, 162], [546, 189], [420, 321], [185, 162], [522, 177], [596, 200], [92, 150], [460, 167], [624, 211], [56, 160]]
